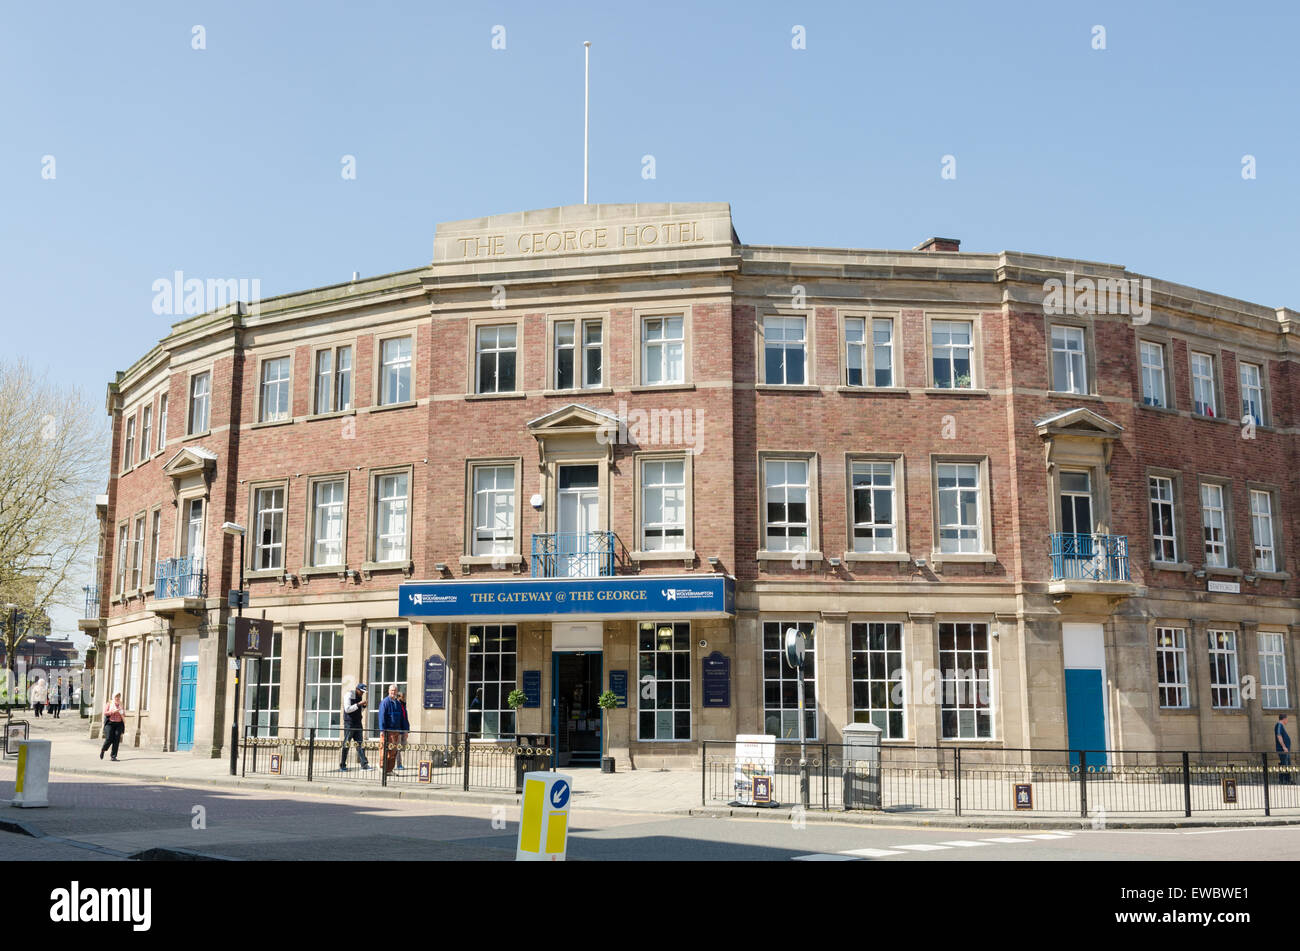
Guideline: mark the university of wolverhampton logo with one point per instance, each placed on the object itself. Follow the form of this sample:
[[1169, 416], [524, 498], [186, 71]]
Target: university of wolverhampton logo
[[683, 594]]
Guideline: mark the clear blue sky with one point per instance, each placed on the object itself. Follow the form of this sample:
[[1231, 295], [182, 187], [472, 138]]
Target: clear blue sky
[[225, 162]]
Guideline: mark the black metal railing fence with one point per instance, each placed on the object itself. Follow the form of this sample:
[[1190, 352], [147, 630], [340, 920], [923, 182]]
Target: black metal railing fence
[[446, 760], [989, 781]]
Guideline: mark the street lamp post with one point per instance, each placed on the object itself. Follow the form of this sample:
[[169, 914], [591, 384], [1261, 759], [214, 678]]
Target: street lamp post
[[233, 528], [11, 659]]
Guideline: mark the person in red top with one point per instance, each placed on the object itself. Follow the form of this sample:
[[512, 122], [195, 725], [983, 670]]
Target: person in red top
[[114, 726]]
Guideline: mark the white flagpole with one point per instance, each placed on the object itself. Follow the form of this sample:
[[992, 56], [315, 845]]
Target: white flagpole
[[586, 116]]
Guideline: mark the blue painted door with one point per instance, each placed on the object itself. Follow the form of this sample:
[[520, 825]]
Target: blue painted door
[[189, 688], [1085, 715]]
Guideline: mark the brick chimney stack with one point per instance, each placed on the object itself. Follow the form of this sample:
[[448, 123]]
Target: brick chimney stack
[[939, 244]]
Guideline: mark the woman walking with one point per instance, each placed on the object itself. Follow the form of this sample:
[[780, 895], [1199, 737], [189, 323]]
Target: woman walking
[[114, 726]]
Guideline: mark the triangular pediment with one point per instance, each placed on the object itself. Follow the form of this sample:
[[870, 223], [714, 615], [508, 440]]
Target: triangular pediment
[[189, 461], [1079, 422], [572, 418]]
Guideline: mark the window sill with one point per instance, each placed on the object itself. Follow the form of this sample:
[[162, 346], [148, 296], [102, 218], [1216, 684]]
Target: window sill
[[877, 556], [387, 406], [512, 395], [954, 391], [159, 452], [1169, 410], [1215, 419], [335, 415], [659, 387], [272, 423], [787, 388], [320, 570], [502, 560], [205, 433], [580, 391], [1067, 395], [686, 554], [1274, 575], [1171, 566], [264, 573], [872, 390], [1178, 711], [1225, 572], [962, 558], [370, 567], [1231, 711], [789, 556]]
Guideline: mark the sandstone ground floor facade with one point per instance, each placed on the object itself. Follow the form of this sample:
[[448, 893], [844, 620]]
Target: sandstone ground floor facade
[[983, 665]]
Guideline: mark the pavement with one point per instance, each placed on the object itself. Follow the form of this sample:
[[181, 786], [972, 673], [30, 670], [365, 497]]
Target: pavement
[[663, 792]]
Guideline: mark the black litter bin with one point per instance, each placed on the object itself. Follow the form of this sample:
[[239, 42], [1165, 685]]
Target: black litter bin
[[531, 756]]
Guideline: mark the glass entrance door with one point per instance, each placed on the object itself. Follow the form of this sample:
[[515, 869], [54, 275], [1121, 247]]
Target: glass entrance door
[[575, 717], [579, 517]]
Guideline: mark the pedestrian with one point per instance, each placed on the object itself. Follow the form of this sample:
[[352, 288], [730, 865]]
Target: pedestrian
[[406, 728], [58, 698], [114, 726], [38, 696], [354, 711], [1282, 740], [391, 719]]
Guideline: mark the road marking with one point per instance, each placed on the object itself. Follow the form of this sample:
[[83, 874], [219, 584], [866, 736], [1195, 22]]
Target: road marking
[[1047, 835], [825, 857], [1006, 838], [871, 853], [924, 847], [964, 843]]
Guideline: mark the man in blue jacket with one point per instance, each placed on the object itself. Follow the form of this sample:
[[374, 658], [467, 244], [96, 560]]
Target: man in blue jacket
[[1282, 740], [391, 725]]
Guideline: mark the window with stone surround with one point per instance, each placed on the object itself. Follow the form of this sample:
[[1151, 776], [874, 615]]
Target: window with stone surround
[[200, 384], [878, 677], [1171, 667], [495, 350], [394, 371], [1164, 532], [1272, 671], [491, 677], [1225, 685], [781, 682], [664, 680], [965, 667]]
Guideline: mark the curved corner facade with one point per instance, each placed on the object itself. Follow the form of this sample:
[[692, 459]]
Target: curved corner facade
[[1012, 500]]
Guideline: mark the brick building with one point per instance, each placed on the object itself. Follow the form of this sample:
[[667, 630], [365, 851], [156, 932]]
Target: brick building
[[1011, 499]]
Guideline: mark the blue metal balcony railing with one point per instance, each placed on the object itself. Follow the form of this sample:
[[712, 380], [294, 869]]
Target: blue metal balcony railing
[[1089, 557], [92, 602], [573, 555], [180, 578]]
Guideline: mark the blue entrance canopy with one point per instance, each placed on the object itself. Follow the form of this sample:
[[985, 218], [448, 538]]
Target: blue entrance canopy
[[644, 596]]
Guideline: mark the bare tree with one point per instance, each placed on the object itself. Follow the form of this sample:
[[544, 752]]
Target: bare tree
[[52, 463]]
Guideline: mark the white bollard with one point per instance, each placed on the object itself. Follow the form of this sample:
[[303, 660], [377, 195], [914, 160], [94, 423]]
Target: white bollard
[[33, 783], [544, 820]]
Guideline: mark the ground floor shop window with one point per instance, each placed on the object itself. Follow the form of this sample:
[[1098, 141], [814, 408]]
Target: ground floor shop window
[[387, 667], [664, 675], [781, 684], [491, 678], [1171, 667], [878, 678], [324, 683], [964, 666], [262, 693], [1225, 687]]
